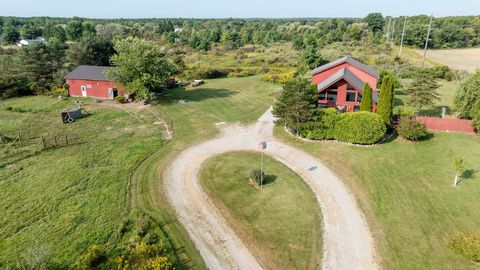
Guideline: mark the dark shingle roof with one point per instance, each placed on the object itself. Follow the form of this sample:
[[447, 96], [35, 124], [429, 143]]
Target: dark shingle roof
[[348, 76], [347, 59], [94, 73]]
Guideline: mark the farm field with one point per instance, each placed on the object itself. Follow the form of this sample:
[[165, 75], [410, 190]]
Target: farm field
[[460, 59], [60, 201], [263, 218], [406, 192]]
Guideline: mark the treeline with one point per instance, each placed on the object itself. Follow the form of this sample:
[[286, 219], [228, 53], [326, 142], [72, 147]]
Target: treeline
[[202, 34]]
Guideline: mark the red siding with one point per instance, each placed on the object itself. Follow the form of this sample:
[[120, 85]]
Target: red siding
[[95, 89], [342, 98], [364, 76], [447, 124]]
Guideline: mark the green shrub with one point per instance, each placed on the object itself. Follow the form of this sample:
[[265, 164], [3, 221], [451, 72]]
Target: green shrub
[[8, 108], [410, 129], [360, 128], [120, 99], [90, 260], [466, 245], [257, 176], [323, 126]]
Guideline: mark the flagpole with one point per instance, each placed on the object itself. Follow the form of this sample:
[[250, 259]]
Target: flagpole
[[261, 172]]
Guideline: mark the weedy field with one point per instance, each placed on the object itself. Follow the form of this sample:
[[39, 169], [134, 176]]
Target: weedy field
[[62, 200]]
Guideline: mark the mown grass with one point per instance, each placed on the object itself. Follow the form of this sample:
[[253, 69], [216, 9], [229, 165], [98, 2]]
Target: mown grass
[[66, 199], [280, 224], [406, 191], [240, 100]]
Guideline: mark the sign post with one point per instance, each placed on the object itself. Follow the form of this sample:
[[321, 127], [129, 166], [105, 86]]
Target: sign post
[[262, 146]]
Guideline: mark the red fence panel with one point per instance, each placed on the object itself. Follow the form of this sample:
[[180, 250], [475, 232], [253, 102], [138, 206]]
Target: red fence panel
[[447, 124]]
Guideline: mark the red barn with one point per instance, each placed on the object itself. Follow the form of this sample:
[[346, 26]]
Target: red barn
[[340, 84], [90, 81]]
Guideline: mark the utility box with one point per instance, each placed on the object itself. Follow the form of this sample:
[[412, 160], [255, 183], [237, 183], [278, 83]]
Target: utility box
[[70, 115]]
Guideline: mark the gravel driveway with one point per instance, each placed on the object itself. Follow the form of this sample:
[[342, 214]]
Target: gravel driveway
[[347, 240]]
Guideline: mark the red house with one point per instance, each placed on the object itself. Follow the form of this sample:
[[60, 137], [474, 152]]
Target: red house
[[340, 84], [90, 81]]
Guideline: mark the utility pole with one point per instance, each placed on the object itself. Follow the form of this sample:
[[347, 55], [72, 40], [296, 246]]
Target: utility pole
[[426, 40], [393, 32], [403, 36], [388, 29]]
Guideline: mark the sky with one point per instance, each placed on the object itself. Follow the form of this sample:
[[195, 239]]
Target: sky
[[235, 9]]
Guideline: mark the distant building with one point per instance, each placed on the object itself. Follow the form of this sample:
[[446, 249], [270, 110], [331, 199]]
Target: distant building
[[178, 30], [29, 42], [340, 84], [90, 81]]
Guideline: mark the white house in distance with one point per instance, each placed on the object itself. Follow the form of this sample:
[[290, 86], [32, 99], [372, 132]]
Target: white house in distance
[[28, 42]]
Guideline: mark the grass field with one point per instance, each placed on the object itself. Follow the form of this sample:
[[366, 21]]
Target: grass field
[[65, 199], [406, 191], [280, 224], [240, 100], [460, 59]]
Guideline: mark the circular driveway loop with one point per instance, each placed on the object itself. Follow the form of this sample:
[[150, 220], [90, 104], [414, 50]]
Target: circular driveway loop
[[347, 242]]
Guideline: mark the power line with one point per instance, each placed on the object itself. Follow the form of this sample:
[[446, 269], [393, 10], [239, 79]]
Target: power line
[[427, 39], [403, 35]]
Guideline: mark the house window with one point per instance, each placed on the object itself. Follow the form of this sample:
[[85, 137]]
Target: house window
[[350, 87], [332, 95], [322, 106], [359, 98], [322, 95], [351, 97]]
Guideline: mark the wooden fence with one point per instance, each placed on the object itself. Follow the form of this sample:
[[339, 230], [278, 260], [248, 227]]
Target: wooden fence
[[42, 141], [447, 124]]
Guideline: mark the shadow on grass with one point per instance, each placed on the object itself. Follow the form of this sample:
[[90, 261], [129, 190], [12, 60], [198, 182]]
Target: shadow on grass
[[398, 102], [269, 179], [194, 95]]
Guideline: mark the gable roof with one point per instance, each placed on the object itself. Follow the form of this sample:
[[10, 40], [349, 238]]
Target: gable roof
[[347, 59], [348, 76], [94, 73]]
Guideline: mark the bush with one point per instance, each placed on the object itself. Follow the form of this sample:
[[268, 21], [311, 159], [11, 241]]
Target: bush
[[257, 176], [360, 128], [410, 129], [120, 99], [323, 128], [94, 257], [466, 245]]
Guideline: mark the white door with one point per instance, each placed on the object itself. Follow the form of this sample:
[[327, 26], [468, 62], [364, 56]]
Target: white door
[[110, 93], [84, 90]]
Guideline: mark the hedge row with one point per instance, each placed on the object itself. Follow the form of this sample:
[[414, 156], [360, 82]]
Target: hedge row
[[355, 127]]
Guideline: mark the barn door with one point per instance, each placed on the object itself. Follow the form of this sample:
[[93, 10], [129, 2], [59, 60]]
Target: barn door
[[84, 90], [110, 93]]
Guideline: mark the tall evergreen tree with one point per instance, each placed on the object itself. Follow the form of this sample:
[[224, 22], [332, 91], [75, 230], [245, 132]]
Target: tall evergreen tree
[[296, 104], [366, 104], [385, 101], [423, 90]]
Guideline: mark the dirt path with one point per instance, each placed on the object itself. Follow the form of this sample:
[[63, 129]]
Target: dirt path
[[347, 240]]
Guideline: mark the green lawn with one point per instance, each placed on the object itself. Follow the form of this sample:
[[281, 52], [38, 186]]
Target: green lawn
[[406, 191], [66, 199], [223, 100], [280, 224]]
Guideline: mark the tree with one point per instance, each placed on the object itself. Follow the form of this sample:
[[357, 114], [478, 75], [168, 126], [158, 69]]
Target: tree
[[385, 101], [375, 21], [10, 34], [366, 104], [51, 31], [296, 103], [140, 66], [422, 90], [310, 59], [459, 166], [467, 95], [90, 50], [74, 30]]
